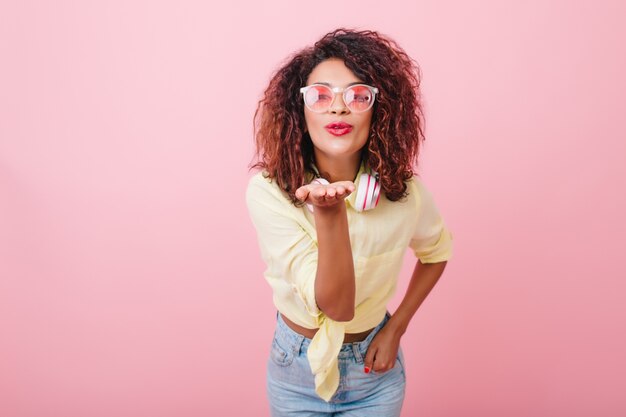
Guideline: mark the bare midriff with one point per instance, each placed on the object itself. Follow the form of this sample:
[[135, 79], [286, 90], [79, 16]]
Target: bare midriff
[[348, 337]]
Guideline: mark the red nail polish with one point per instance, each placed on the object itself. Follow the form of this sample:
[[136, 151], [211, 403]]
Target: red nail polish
[[367, 370]]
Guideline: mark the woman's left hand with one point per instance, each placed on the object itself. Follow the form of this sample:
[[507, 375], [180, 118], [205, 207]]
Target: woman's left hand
[[383, 350]]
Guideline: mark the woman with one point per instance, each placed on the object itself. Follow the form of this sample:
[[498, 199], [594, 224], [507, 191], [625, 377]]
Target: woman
[[335, 206]]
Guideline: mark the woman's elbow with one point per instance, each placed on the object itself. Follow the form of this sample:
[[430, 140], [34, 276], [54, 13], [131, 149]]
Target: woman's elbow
[[338, 314]]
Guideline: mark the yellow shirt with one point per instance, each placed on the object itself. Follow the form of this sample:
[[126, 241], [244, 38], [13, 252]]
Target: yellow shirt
[[379, 238]]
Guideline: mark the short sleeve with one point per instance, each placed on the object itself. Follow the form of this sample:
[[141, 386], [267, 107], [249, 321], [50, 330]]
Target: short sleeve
[[432, 240], [289, 252]]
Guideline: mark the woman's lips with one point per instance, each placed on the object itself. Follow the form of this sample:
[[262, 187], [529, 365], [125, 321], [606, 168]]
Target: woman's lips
[[338, 128]]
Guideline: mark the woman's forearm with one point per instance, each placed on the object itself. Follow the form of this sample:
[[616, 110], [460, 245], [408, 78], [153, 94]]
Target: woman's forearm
[[424, 278], [334, 281]]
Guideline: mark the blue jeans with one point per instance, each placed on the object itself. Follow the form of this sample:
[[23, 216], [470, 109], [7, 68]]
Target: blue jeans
[[291, 385]]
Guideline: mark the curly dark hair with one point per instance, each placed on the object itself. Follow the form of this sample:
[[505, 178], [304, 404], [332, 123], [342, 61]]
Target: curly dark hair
[[285, 150]]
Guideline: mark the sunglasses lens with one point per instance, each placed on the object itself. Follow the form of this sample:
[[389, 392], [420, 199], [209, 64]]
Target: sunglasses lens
[[358, 98], [318, 97]]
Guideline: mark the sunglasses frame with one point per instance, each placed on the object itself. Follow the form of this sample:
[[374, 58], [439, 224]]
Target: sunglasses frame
[[336, 90]]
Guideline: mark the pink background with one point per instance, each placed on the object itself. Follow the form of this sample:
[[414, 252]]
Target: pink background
[[130, 278]]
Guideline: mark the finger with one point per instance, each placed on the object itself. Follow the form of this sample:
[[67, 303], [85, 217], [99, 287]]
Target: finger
[[380, 365], [302, 193], [383, 361], [349, 185], [368, 362], [319, 193]]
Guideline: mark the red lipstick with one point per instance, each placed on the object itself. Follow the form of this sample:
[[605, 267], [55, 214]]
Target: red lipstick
[[338, 128]]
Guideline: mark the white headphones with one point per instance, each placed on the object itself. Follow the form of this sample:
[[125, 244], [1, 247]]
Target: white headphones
[[367, 194]]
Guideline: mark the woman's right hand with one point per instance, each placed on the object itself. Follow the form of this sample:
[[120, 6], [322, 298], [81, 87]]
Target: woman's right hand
[[320, 195]]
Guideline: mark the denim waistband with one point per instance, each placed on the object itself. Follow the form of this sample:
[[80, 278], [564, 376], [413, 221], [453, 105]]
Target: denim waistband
[[300, 343]]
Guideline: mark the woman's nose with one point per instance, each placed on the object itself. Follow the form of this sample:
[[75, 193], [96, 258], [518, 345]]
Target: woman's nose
[[338, 106]]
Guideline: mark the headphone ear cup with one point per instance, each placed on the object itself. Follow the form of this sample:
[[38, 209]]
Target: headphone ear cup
[[361, 202], [322, 181], [368, 193], [375, 193]]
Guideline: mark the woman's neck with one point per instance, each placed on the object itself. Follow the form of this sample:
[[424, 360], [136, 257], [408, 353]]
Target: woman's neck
[[338, 169]]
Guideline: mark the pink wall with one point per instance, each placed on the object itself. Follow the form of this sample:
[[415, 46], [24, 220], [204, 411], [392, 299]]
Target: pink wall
[[130, 278]]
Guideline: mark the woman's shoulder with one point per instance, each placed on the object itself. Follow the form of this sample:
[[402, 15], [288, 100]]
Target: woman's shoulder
[[413, 184], [417, 188], [263, 179], [260, 181], [263, 187], [414, 179]]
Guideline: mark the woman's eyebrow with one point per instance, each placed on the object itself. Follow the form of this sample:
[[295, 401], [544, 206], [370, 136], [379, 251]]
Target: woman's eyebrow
[[328, 84]]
